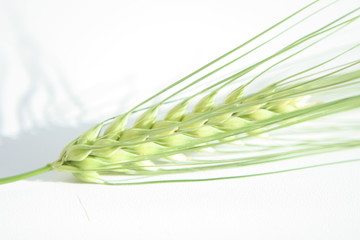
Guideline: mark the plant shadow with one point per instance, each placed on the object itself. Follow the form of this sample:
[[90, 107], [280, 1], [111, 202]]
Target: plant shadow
[[35, 143], [34, 149]]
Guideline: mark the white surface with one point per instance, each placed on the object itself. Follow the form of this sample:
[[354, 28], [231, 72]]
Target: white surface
[[66, 65]]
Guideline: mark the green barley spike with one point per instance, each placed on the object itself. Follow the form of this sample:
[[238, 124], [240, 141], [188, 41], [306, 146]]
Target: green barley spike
[[230, 113]]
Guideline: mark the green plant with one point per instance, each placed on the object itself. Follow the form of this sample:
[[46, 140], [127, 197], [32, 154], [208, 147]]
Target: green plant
[[227, 110]]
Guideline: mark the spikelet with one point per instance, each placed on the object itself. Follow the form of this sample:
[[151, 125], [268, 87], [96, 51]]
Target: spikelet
[[150, 138], [227, 112]]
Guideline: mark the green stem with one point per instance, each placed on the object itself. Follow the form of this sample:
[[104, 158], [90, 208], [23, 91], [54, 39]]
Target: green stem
[[44, 169]]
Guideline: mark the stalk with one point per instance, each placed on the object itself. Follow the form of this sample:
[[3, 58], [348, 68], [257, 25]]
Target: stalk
[[36, 172]]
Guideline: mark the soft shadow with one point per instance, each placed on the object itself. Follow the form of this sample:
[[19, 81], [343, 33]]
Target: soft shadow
[[36, 144], [36, 148]]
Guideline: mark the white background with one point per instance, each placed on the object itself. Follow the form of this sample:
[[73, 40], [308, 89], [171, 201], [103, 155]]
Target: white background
[[65, 65]]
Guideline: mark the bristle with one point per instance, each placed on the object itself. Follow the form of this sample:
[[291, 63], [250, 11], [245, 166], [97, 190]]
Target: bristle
[[157, 146]]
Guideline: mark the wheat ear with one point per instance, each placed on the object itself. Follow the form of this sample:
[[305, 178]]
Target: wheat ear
[[224, 112]]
